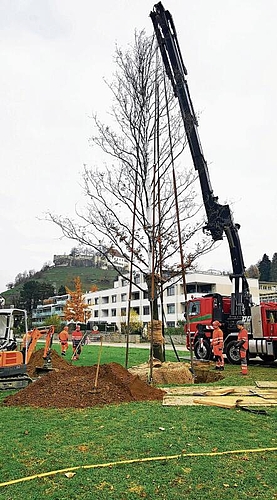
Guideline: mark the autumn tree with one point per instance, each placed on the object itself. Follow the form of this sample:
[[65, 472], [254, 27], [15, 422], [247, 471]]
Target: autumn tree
[[135, 324], [252, 271], [131, 196], [75, 309]]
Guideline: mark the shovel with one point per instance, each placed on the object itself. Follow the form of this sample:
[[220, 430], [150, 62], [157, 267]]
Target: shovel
[[95, 390]]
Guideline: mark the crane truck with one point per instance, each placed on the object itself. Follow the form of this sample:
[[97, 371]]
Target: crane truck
[[260, 320], [14, 362]]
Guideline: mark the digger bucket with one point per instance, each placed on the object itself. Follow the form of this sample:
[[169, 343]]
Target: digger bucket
[[46, 368]]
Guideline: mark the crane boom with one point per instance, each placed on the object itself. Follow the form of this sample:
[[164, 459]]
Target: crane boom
[[219, 217]]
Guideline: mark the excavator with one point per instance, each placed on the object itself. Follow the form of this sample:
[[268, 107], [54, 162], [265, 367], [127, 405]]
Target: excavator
[[14, 362]]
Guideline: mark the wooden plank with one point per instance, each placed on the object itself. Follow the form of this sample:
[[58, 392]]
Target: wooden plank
[[178, 401], [231, 401], [215, 392], [265, 384], [220, 401], [190, 390], [265, 394]]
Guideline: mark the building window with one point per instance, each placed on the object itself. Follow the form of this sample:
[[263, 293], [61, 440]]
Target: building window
[[89, 302], [137, 279], [123, 311], [204, 288], [145, 294], [135, 296], [113, 312], [171, 291], [170, 308], [96, 300], [105, 300], [96, 314], [113, 299], [124, 282], [123, 297], [146, 310], [105, 313], [194, 308]]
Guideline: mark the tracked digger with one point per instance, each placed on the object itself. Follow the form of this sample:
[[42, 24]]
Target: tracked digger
[[14, 362]]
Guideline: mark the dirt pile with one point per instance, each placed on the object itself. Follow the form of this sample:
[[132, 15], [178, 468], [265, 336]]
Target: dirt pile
[[37, 360], [178, 373], [73, 387], [167, 373]]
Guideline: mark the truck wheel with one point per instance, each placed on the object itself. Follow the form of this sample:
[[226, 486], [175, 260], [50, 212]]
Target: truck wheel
[[232, 353], [202, 351]]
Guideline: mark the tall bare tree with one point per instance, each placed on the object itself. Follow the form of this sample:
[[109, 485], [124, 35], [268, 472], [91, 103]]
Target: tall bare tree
[[131, 199]]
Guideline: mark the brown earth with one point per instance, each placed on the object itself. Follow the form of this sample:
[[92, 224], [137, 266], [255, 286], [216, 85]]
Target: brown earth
[[166, 373], [73, 387], [68, 386], [36, 360], [178, 373]]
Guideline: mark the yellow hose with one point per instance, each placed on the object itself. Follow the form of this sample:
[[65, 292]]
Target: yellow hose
[[135, 460]]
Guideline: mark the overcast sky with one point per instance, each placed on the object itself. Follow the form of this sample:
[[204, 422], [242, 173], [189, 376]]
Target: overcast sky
[[54, 55]]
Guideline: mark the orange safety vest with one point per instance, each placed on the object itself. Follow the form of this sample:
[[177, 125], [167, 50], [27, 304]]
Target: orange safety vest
[[77, 335], [63, 336], [217, 339], [243, 335]]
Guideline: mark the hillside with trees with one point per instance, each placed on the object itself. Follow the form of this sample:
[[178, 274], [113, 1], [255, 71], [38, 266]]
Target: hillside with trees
[[54, 281]]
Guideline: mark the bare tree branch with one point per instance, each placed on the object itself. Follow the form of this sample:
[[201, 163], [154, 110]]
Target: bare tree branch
[[128, 142]]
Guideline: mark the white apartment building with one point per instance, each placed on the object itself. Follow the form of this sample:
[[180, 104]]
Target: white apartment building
[[268, 291], [108, 306]]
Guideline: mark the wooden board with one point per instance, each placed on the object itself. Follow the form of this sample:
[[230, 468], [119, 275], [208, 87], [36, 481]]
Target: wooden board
[[266, 384], [220, 401], [231, 401], [193, 389], [178, 401], [264, 393]]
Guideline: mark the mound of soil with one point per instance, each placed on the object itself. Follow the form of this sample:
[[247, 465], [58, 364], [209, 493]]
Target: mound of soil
[[178, 373], [36, 360], [166, 373], [73, 387]]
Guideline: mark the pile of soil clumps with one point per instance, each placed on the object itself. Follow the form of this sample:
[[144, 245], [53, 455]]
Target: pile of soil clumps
[[74, 388], [165, 373], [36, 360], [178, 373]]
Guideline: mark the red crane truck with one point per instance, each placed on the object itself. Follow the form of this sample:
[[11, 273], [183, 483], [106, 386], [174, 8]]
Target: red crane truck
[[260, 320]]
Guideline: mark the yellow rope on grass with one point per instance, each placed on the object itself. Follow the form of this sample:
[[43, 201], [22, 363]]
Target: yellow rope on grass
[[134, 461]]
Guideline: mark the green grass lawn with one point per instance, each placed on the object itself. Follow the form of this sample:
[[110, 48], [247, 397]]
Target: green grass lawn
[[43, 440]]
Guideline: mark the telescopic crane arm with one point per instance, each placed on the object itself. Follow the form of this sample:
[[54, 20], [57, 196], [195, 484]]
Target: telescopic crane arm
[[219, 217]]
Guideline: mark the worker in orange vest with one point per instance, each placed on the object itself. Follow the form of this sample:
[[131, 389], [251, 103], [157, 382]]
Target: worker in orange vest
[[63, 338], [217, 345], [76, 342], [242, 344]]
